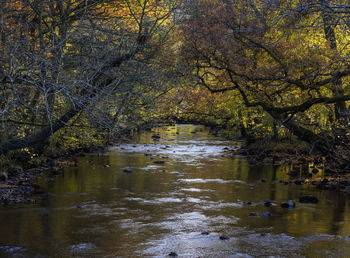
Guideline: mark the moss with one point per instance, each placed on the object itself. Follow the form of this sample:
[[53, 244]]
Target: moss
[[13, 171]]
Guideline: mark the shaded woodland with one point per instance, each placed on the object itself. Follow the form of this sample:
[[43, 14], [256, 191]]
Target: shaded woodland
[[80, 73]]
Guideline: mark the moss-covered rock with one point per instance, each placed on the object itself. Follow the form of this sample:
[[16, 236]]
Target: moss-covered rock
[[14, 171]]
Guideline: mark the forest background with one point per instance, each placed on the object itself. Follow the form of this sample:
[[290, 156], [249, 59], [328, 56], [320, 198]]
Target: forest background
[[79, 73]]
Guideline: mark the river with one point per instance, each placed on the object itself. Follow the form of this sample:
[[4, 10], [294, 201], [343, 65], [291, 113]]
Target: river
[[181, 193]]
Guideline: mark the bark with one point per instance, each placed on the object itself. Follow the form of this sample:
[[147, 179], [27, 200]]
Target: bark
[[15, 144], [337, 89]]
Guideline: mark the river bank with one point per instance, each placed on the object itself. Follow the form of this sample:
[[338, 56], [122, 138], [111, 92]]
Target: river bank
[[24, 186], [297, 156], [176, 189]]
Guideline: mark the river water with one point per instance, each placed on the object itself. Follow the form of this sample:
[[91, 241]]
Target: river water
[[181, 193]]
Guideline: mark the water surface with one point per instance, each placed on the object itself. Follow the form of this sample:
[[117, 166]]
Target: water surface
[[183, 194]]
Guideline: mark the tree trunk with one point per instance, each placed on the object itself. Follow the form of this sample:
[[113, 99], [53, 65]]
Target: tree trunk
[[15, 144], [318, 142], [337, 89]]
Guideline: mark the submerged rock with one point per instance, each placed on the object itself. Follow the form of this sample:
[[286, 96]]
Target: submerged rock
[[253, 214], [266, 214], [159, 162], [288, 204], [267, 203], [223, 238], [107, 166], [126, 170], [308, 199], [172, 254], [205, 233]]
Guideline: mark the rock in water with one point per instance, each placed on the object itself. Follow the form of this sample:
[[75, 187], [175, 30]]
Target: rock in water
[[291, 204], [159, 162], [288, 204], [128, 171], [308, 199], [266, 214], [223, 238], [267, 203], [172, 254]]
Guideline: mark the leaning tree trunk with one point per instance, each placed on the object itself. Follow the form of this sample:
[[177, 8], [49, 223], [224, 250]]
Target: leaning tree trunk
[[46, 132], [318, 142]]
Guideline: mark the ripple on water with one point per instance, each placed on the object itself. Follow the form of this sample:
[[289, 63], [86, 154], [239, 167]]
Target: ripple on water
[[83, 249], [13, 249], [195, 149], [196, 190], [215, 180]]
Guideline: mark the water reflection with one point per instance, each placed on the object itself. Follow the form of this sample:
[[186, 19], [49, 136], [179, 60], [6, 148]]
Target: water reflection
[[178, 186]]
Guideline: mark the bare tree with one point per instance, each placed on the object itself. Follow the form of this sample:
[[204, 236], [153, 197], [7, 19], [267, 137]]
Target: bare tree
[[63, 61]]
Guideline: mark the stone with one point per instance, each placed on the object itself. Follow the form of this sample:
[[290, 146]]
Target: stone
[[159, 162], [288, 204], [266, 214], [308, 199], [268, 203], [172, 254], [252, 214], [126, 170], [223, 238]]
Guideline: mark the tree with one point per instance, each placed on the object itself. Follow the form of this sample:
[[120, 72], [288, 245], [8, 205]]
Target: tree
[[288, 58], [67, 63]]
